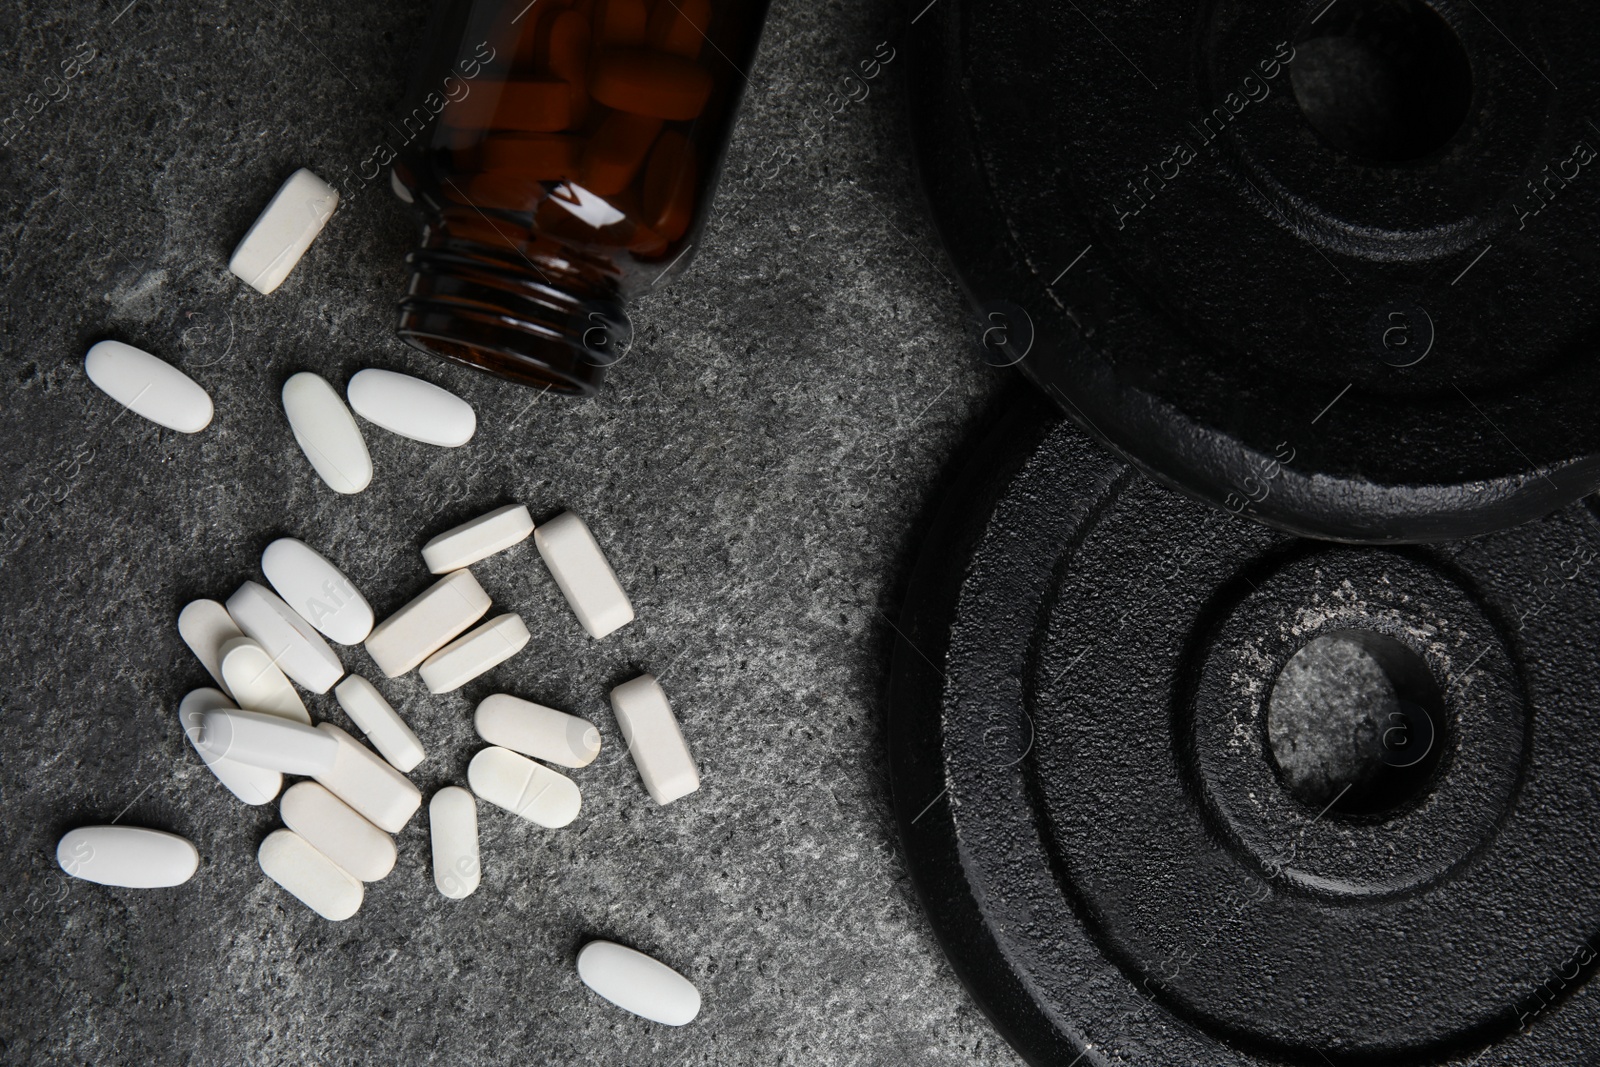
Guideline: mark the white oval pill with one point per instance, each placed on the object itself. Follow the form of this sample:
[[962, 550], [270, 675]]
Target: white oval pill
[[524, 788], [133, 857], [338, 831], [297, 649], [253, 785], [471, 654], [314, 879], [383, 725], [412, 407], [284, 230], [453, 824], [384, 797], [149, 386], [654, 739], [537, 731], [262, 739], [327, 433], [256, 682], [318, 590], [635, 982], [585, 578], [428, 623], [478, 539], [205, 627]]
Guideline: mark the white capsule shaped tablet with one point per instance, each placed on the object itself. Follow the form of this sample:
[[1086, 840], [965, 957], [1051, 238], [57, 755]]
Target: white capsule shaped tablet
[[132, 857], [453, 825], [654, 740], [149, 386], [297, 649], [311, 877], [256, 682], [412, 408], [318, 590], [265, 740], [377, 719], [292, 219], [429, 622], [585, 578], [205, 627], [478, 539], [359, 777], [537, 731], [475, 652], [253, 785], [635, 982], [338, 831], [524, 788], [327, 433]]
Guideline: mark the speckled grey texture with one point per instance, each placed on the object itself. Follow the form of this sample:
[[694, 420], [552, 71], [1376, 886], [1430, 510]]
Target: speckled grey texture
[[1327, 716], [757, 469]]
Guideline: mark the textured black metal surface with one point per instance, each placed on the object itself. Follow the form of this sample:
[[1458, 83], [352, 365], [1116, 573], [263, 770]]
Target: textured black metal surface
[[1211, 286], [1085, 791]]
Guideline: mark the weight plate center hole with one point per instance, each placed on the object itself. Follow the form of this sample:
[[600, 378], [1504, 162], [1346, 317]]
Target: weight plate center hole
[[1355, 725], [1386, 81]]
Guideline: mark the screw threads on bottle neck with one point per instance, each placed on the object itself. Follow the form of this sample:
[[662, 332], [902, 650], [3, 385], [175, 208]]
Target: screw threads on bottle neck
[[527, 316]]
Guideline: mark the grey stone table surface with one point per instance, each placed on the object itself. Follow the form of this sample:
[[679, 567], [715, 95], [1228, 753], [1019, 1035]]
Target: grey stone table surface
[[758, 469]]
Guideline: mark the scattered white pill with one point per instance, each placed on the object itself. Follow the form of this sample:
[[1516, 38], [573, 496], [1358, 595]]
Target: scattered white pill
[[299, 651], [149, 386], [262, 739], [133, 857], [318, 590], [338, 831], [205, 627], [256, 682], [654, 739], [360, 778], [312, 878], [537, 731], [412, 407], [635, 982], [585, 578], [478, 540], [383, 725], [253, 785], [327, 433], [284, 230], [475, 652], [453, 824], [524, 788], [432, 620]]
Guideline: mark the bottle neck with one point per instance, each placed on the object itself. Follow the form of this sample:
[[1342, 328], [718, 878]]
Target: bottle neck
[[531, 313]]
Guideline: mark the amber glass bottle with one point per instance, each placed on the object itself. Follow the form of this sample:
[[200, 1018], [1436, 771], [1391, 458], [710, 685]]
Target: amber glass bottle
[[561, 155]]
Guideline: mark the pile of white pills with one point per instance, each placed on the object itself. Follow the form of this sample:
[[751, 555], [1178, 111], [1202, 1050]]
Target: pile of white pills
[[267, 639], [253, 729]]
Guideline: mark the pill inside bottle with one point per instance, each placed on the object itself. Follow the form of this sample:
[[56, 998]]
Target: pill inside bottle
[[561, 158]]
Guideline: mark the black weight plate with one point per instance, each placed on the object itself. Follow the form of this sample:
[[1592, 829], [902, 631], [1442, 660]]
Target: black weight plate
[[1097, 807], [1294, 323]]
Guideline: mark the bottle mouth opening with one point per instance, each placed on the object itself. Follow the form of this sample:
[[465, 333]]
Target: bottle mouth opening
[[557, 333], [549, 363]]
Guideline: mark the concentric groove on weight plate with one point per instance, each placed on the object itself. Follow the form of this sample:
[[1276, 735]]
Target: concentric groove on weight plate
[[1242, 306], [1020, 873]]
